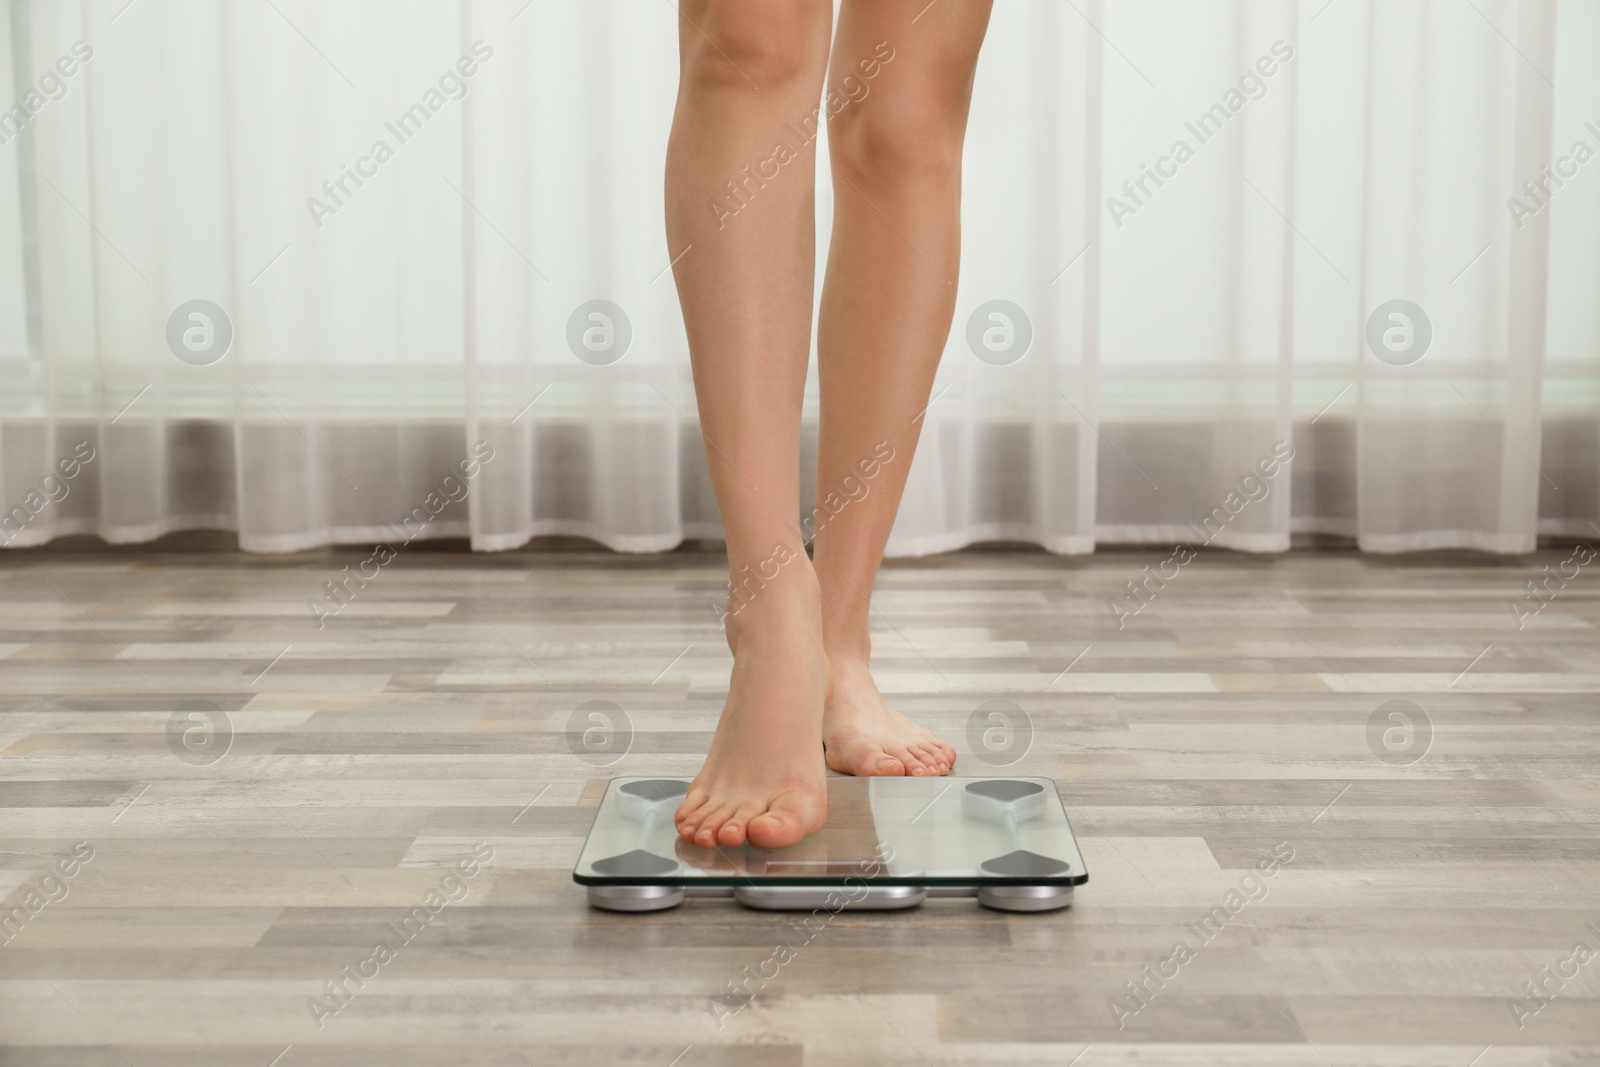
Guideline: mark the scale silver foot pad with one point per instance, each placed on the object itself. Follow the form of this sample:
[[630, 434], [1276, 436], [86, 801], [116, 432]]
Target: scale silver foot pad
[[635, 897], [889, 844]]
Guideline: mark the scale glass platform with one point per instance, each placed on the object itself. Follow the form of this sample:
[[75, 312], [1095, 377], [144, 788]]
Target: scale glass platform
[[888, 843]]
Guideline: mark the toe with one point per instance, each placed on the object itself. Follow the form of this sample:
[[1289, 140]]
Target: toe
[[930, 756], [875, 762], [770, 830], [688, 812], [913, 765], [711, 826], [784, 823], [689, 817], [861, 756], [688, 825], [735, 830]]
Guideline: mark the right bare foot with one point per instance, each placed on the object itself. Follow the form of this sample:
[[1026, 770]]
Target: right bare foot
[[764, 778]]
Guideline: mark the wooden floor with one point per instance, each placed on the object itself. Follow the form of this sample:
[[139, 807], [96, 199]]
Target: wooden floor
[[256, 803]]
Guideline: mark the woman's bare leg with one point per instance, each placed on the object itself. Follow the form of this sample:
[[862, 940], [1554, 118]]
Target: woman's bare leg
[[751, 73], [887, 302]]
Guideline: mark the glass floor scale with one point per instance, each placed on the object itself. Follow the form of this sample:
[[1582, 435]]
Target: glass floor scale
[[889, 843]]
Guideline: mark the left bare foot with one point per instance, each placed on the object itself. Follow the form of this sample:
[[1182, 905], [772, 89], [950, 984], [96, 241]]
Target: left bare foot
[[863, 735]]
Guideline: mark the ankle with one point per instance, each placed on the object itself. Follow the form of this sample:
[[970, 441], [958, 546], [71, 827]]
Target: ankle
[[790, 601], [849, 653]]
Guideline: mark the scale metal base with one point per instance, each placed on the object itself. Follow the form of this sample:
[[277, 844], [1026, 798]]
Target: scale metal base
[[889, 844]]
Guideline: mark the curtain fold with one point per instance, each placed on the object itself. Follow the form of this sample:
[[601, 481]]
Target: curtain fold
[[1231, 272]]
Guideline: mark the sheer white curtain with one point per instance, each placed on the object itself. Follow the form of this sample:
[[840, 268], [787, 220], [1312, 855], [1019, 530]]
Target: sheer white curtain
[[416, 350]]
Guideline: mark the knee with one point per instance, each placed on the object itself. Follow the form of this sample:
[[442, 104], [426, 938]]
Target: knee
[[752, 46], [919, 139]]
